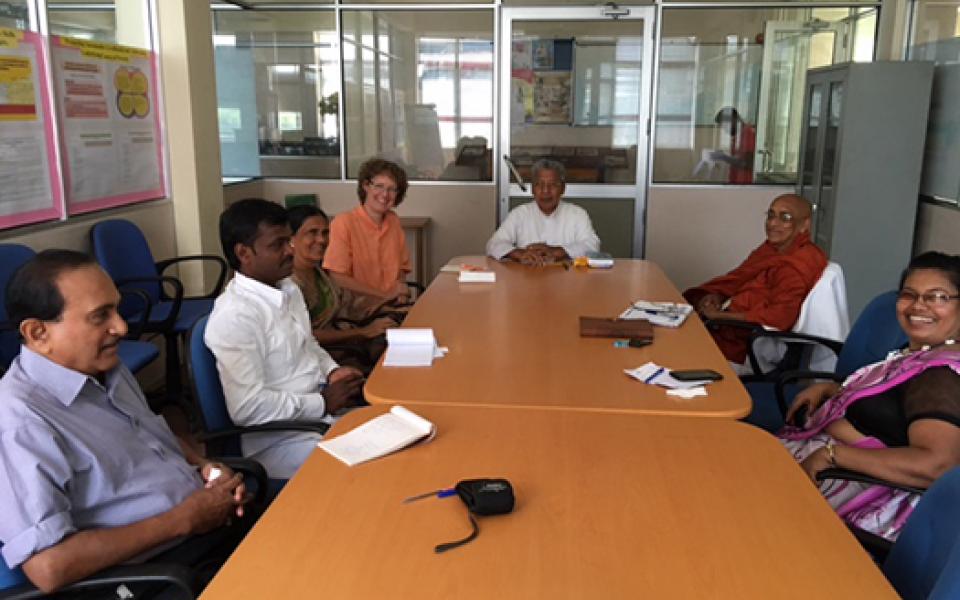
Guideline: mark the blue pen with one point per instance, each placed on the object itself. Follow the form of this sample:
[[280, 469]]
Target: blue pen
[[438, 493], [655, 375]]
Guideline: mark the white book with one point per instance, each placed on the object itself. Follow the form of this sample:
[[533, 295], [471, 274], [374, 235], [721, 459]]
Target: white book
[[477, 277], [410, 347], [378, 437]]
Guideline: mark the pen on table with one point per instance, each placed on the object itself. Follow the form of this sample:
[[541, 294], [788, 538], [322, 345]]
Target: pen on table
[[446, 493], [655, 375]]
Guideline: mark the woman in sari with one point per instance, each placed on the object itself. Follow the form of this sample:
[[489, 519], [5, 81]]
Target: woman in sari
[[898, 419], [338, 316]]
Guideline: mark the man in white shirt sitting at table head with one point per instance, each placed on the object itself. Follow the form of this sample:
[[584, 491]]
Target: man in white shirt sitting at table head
[[546, 230], [271, 367]]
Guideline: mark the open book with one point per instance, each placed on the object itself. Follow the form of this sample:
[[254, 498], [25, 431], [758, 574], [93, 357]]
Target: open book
[[380, 436]]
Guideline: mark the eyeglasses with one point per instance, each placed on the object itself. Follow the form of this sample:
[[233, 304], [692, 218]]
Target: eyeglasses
[[392, 191], [934, 298], [550, 185], [784, 217]]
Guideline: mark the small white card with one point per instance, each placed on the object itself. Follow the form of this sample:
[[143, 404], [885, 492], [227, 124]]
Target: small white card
[[477, 277]]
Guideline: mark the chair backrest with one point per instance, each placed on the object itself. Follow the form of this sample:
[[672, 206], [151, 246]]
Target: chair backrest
[[873, 336], [925, 560], [12, 257], [10, 578], [823, 314], [123, 252], [208, 391]]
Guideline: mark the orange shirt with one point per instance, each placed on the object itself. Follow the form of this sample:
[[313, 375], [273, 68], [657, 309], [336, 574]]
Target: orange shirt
[[359, 248]]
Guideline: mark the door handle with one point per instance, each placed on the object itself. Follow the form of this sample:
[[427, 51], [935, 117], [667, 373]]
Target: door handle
[[516, 173]]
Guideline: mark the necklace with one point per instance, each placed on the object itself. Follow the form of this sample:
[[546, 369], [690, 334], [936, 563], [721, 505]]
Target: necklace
[[926, 347]]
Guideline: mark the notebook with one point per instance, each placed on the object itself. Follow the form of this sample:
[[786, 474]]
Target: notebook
[[378, 437]]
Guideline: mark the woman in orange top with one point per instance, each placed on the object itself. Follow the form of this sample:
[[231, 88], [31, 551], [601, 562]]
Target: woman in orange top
[[368, 250]]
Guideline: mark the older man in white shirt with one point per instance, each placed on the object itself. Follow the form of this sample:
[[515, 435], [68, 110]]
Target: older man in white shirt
[[548, 229], [270, 365]]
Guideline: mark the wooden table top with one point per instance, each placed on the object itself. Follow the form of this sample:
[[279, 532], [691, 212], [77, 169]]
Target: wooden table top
[[517, 343], [608, 506]]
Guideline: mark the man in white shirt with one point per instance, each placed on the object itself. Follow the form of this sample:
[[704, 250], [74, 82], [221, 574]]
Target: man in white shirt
[[546, 230], [271, 367]]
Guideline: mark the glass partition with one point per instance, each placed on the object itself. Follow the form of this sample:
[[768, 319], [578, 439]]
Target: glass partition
[[936, 31], [730, 93], [418, 90], [278, 91], [14, 14], [97, 24]]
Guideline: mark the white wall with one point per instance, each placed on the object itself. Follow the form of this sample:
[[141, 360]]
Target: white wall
[[154, 218], [695, 233]]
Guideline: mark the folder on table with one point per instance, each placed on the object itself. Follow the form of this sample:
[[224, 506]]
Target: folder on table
[[616, 328]]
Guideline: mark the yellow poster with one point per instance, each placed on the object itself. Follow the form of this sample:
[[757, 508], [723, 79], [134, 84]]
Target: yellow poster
[[18, 99]]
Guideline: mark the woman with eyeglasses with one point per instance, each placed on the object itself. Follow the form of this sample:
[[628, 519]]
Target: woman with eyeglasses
[[898, 419], [368, 250]]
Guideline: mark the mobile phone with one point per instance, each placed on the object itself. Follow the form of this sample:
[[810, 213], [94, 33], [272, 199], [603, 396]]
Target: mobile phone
[[696, 375], [639, 342]]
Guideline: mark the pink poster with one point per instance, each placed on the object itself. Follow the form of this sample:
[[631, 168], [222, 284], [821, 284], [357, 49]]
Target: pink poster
[[110, 126], [29, 183]]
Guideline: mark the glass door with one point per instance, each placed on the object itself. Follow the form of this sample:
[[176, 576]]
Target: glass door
[[575, 88], [789, 49]]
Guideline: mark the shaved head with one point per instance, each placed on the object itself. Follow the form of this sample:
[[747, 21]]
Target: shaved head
[[800, 207], [787, 218]]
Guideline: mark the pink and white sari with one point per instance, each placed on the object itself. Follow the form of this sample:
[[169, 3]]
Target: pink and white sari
[[874, 508]]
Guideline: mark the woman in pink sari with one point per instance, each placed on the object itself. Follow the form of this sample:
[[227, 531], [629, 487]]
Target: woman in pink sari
[[898, 419]]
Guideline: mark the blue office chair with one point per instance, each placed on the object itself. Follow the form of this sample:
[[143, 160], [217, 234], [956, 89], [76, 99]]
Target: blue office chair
[[122, 250], [135, 354], [220, 434], [924, 563], [875, 333]]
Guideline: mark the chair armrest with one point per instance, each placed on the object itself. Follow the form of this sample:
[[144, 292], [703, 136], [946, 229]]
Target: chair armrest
[[135, 328], [758, 331], [793, 336], [252, 469], [168, 323], [311, 426], [848, 475], [754, 329], [177, 576], [162, 266], [779, 387]]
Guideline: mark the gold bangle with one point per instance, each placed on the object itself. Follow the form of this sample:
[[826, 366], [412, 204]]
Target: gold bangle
[[832, 453]]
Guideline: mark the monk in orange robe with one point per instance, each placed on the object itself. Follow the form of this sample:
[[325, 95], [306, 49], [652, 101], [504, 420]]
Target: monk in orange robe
[[769, 287]]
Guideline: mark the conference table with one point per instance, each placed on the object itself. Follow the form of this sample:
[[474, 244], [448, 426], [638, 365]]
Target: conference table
[[516, 343], [608, 505]]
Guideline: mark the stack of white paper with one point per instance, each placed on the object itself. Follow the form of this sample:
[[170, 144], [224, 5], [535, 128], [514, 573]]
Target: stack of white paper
[[654, 374], [410, 347], [477, 277], [664, 314], [380, 436]]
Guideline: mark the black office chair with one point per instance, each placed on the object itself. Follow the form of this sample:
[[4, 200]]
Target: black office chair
[[14, 585]]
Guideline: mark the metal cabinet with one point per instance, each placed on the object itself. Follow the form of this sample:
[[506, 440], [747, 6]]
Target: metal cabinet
[[864, 126]]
